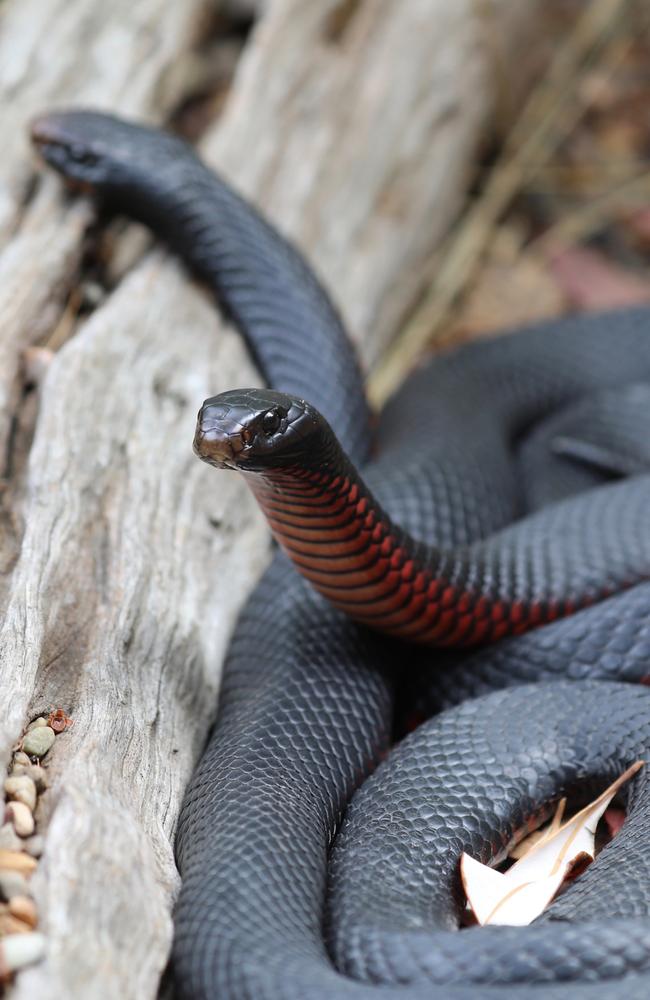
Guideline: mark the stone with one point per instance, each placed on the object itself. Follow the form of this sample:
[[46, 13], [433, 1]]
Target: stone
[[36, 724], [17, 861], [33, 845], [37, 741], [21, 817], [18, 950], [38, 775], [9, 840], [13, 884], [19, 763], [23, 908], [21, 788], [12, 925]]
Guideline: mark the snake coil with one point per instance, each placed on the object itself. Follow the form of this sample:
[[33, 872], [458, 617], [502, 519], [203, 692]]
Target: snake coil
[[302, 880]]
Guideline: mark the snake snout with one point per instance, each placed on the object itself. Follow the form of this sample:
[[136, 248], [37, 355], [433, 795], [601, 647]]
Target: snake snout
[[213, 444], [43, 131]]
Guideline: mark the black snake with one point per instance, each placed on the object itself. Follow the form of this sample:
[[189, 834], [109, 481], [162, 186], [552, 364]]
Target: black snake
[[277, 900]]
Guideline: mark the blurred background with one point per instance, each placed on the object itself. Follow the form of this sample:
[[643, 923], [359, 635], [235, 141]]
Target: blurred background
[[556, 219], [549, 210], [571, 229]]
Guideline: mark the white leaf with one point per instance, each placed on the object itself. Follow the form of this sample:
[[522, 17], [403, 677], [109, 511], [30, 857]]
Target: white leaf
[[517, 896]]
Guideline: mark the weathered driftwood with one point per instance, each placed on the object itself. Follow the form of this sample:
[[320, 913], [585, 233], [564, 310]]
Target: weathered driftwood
[[54, 53], [353, 125]]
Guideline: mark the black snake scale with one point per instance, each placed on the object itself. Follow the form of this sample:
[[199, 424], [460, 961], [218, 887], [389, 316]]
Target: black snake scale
[[275, 903]]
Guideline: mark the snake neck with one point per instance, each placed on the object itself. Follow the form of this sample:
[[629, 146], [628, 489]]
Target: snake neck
[[292, 329], [340, 539]]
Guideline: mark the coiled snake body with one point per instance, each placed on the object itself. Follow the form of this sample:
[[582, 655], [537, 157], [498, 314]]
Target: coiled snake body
[[275, 902]]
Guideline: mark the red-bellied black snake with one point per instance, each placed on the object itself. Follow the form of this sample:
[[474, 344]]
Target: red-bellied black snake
[[283, 897]]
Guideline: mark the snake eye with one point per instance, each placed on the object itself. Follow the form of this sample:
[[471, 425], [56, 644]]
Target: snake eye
[[270, 422], [83, 156]]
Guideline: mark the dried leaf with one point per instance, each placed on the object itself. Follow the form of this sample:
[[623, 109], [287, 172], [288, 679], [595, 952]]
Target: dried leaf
[[590, 280], [525, 845], [518, 896]]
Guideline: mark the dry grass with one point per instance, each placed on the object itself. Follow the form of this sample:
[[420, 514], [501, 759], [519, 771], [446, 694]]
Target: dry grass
[[588, 67]]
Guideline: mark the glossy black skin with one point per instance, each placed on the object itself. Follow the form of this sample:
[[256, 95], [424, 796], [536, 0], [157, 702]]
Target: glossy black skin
[[307, 707], [547, 568], [316, 715], [258, 429], [291, 327]]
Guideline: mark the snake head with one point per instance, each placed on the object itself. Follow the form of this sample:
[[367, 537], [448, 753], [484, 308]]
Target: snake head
[[98, 151], [253, 430], [75, 143]]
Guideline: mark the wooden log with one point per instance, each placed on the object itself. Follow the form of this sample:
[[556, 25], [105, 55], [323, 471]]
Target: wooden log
[[353, 125], [56, 52]]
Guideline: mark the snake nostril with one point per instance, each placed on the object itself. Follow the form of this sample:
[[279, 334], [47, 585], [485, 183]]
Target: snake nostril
[[211, 444]]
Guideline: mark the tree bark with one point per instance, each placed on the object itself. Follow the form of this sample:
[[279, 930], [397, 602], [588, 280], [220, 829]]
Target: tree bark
[[354, 126]]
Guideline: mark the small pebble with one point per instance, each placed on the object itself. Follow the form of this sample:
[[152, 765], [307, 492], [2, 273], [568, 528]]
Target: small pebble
[[36, 724], [13, 884], [93, 293], [33, 845], [20, 763], [23, 908], [19, 950], [17, 861], [36, 742], [9, 840], [21, 789], [12, 925], [21, 817], [37, 360], [38, 775]]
